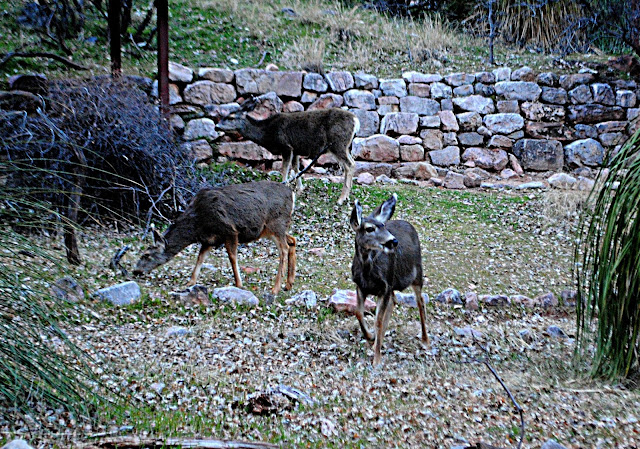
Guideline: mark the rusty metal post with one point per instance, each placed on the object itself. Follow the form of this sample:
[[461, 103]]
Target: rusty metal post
[[163, 56], [114, 38]]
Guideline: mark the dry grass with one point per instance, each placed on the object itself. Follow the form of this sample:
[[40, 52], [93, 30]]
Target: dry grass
[[306, 53], [350, 38], [563, 206], [547, 26]]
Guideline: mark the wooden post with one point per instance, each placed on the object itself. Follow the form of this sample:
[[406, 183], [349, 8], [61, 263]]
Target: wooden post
[[114, 37], [163, 56]]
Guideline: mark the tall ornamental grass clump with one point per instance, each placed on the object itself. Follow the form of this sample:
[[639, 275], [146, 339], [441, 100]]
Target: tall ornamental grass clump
[[608, 273]]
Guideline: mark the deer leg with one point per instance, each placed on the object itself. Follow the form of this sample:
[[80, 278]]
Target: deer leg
[[204, 249], [383, 313], [232, 251], [286, 165], [348, 166], [417, 290], [296, 169], [291, 268], [360, 315], [283, 251]]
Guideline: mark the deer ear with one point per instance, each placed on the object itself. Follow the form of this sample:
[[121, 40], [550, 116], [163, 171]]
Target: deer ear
[[386, 209], [249, 104], [158, 238], [356, 216]]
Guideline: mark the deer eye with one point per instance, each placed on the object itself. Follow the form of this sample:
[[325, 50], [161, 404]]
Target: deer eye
[[369, 228]]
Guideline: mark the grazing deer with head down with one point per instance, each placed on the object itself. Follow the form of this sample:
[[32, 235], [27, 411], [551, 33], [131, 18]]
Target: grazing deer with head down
[[294, 135], [237, 213], [387, 258]]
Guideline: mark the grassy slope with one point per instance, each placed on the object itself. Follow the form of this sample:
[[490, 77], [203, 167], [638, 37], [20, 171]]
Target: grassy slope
[[226, 33]]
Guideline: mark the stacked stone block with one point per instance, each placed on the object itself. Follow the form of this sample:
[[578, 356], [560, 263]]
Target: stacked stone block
[[493, 120]]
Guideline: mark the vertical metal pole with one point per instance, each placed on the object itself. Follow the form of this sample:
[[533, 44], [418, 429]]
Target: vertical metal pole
[[163, 56], [114, 37]]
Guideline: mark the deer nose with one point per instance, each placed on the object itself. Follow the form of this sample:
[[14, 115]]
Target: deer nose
[[391, 244]]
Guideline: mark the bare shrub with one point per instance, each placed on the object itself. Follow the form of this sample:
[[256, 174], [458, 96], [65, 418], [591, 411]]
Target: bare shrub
[[99, 148]]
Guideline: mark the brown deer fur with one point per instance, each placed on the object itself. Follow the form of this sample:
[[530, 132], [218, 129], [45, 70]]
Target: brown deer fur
[[300, 134], [238, 213], [387, 258]]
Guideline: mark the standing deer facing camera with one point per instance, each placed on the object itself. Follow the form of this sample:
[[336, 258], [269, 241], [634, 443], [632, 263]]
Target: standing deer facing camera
[[300, 134], [387, 258], [237, 213]]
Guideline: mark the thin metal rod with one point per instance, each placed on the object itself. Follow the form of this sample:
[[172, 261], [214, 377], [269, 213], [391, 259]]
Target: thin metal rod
[[114, 38], [163, 56]]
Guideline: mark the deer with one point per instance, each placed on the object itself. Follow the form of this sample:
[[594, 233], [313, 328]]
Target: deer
[[230, 215], [294, 135], [387, 258]]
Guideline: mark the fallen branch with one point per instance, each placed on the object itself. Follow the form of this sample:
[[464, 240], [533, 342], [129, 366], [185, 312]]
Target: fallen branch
[[115, 260], [513, 400], [134, 442], [40, 54], [264, 55]]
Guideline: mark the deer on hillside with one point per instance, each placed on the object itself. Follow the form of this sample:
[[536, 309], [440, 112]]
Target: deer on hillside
[[387, 258], [237, 213], [294, 135]]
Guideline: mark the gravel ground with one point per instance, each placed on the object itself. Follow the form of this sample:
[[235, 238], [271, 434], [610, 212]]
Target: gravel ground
[[216, 370]]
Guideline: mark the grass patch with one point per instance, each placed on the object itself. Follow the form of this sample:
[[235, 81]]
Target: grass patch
[[294, 34]]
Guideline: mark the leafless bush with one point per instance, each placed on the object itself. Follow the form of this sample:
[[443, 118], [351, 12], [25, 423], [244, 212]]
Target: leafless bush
[[98, 149]]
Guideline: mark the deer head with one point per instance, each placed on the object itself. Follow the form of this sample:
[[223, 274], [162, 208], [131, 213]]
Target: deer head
[[237, 120], [153, 257], [371, 233]]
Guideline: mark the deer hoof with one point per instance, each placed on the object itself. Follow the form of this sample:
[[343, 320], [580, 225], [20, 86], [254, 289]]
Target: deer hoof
[[370, 339], [190, 284]]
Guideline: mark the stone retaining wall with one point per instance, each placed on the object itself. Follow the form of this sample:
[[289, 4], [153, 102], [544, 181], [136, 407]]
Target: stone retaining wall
[[499, 120]]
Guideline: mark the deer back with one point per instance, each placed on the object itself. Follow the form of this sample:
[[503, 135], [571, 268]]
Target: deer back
[[245, 210], [309, 132]]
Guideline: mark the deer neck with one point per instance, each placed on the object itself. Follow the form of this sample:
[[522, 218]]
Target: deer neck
[[181, 235], [372, 262], [371, 272], [254, 131]]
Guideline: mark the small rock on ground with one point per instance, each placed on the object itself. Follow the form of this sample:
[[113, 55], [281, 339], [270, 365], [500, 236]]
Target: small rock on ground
[[194, 295], [552, 444], [17, 444], [307, 298], [495, 300], [409, 299], [235, 295], [347, 301], [555, 331], [449, 296], [177, 331], [468, 331], [122, 294], [67, 289]]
